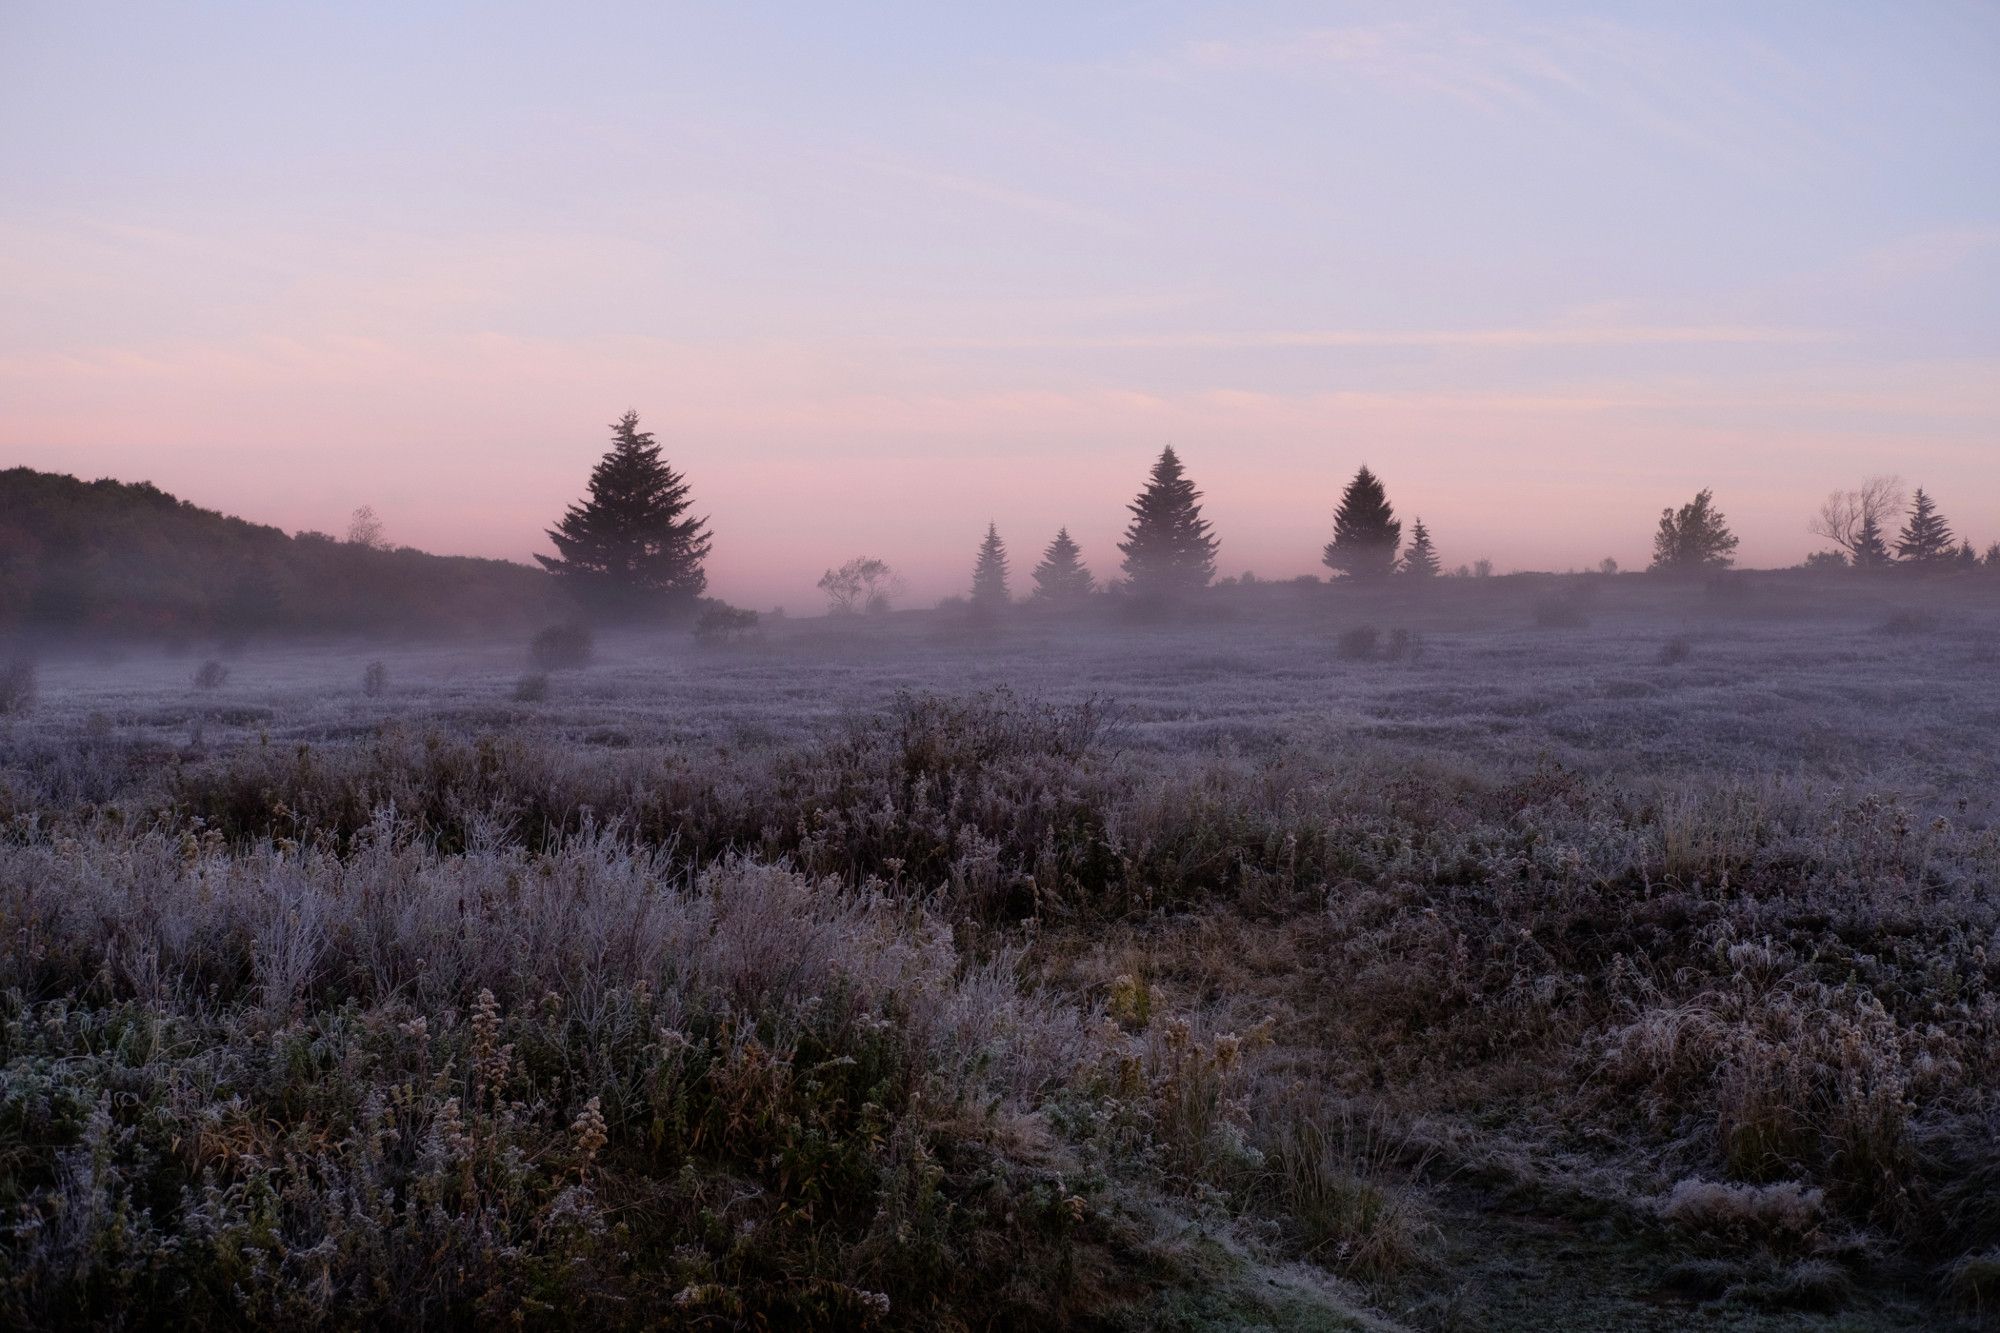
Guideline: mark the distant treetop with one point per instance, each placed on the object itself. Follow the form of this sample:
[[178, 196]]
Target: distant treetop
[[989, 573], [1168, 547], [1694, 537], [631, 548], [1366, 532], [1926, 539], [1061, 579]]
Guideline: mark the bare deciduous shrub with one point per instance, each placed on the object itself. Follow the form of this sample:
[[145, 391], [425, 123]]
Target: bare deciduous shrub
[[375, 680], [211, 675], [1404, 645], [17, 686], [532, 688], [1676, 650], [862, 584], [564, 647]]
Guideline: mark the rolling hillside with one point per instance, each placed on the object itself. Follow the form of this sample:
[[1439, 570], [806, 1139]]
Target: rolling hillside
[[112, 557]]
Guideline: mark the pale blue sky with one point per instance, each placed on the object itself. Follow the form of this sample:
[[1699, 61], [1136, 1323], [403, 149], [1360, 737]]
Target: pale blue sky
[[877, 273]]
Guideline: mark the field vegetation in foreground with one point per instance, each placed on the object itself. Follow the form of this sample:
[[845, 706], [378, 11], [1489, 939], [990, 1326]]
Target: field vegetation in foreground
[[1592, 952]]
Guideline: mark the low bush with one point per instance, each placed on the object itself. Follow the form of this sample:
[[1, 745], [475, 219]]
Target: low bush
[[1910, 622], [720, 625], [1561, 610], [1785, 1215], [17, 686], [211, 675], [375, 680], [565, 647], [1359, 643]]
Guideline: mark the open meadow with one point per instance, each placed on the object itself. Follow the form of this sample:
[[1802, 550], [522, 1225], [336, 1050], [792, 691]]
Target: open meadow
[[1538, 951]]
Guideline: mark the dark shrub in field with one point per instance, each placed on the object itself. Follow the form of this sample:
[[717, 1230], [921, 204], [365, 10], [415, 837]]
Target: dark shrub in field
[[561, 647], [1562, 610], [1359, 643], [1910, 622], [375, 680], [17, 686], [532, 688], [720, 625], [1676, 650], [211, 675]]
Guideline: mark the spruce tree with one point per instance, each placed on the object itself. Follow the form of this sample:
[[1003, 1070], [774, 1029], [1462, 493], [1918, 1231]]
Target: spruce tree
[[1926, 538], [1421, 560], [1366, 532], [1061, 579], [989, 574], [631, 547], [1870, 551], [1168, 548], [1694, 537]]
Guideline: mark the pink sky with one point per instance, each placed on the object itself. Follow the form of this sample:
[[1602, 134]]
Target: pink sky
[[1545, 273]]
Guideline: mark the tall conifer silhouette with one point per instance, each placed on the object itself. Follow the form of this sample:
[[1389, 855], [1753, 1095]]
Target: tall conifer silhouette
[[1421, 560], [1870, 551], [630, 547], [1168, 548], [989, 573], [1366, 532], [1061, 578], [1926, 538]]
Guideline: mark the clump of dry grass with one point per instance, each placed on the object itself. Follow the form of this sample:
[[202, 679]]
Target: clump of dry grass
[[1348, 1189], [1785, 1214]]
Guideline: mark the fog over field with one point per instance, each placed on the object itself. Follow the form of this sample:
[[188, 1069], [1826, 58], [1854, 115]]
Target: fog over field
[[1777, 675]]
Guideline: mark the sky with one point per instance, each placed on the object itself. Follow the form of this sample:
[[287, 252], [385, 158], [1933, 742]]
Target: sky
[[877, 274]]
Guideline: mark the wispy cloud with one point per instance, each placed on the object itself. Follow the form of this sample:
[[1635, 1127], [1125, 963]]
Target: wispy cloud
[[1520, 337], [1582, 72], [988, 191], [1929, 253]]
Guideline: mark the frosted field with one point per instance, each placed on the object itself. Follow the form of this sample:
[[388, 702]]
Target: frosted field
[[1896, 686], [1594, 953]]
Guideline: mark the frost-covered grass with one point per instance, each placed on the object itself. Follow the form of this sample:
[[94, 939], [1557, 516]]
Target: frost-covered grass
[[882, 972]]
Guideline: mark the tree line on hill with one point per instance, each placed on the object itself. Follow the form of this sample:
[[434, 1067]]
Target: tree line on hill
[[98, 557], [633, 540], [107, 555]]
